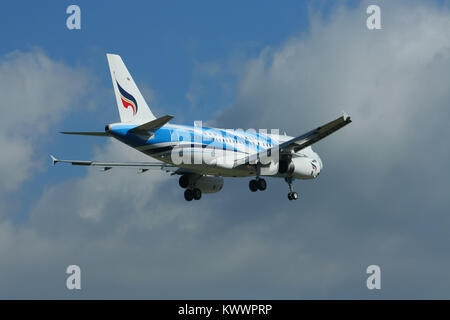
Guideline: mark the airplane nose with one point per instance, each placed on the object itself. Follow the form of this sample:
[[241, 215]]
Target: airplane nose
[[317, 166], [317, 170], [320, 164]]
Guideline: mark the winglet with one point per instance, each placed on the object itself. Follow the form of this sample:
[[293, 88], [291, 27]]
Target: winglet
[[345, 116], [54, 160]]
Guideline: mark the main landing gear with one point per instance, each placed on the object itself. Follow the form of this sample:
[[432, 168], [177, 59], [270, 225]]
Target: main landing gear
[[292, 195], [190, 194], [257, 184]]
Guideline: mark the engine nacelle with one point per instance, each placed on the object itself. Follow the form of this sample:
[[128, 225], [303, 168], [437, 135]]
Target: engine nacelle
[[209, 184], [286, 167], [299, 168]]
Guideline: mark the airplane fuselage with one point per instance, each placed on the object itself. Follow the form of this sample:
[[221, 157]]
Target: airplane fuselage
[[207, 145]]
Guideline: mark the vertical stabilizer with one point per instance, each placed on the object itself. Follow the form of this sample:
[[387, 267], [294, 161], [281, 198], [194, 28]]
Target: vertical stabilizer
[[131, 103]]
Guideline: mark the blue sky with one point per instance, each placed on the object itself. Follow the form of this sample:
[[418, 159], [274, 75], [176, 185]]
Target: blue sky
[[160, 41], [381, 199], [165, 38]]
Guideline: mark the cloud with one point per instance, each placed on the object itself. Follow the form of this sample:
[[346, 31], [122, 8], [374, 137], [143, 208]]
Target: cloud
[[382, 198], [36, 91], [393, 82]]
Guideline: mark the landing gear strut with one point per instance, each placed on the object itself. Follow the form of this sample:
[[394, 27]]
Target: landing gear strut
[[257, 184], [292, 195]]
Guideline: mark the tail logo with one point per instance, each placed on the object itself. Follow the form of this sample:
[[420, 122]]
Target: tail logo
[[127, 99]]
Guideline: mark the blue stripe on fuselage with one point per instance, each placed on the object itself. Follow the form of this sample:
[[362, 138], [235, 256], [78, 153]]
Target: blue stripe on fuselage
[[183, 133]]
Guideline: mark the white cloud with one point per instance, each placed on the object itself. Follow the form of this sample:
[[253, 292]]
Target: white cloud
[[393, 82], [375, 75], [36, 91]]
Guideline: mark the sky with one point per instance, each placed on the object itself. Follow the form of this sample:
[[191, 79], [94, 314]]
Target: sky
[[381, 199]]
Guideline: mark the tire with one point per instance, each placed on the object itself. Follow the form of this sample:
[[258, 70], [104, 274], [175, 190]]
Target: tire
[[294, 196], [188, 195], [262, 185], [290, 196], [197, 194], [184, 181], [253, 185]]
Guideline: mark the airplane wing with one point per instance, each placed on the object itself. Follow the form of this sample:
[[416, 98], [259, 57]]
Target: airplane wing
[[96, 134], [311, 137], [142, 166], [300, 142]]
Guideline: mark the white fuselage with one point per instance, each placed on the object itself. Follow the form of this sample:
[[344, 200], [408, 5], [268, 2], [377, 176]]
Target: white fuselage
[[213, 151]]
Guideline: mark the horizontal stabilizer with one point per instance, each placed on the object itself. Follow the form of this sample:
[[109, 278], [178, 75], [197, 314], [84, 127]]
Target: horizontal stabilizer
[[142, 166], [152, 125], [97, 134]]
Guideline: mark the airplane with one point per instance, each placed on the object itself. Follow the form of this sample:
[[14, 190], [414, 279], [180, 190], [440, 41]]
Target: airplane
[[202, 156]]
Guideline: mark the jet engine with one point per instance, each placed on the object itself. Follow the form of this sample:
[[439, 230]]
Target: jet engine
[[286, 166], [299, 168], [206, 184], [209, 184]]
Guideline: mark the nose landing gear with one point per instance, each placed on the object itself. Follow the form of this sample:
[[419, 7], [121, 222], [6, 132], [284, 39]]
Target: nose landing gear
[[292, 195]]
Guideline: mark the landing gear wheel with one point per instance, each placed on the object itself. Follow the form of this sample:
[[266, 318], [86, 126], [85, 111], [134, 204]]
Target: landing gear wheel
[[197, 194], [253, 185], [293, 195], [184, 181], [262, 185], [188, 195]]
